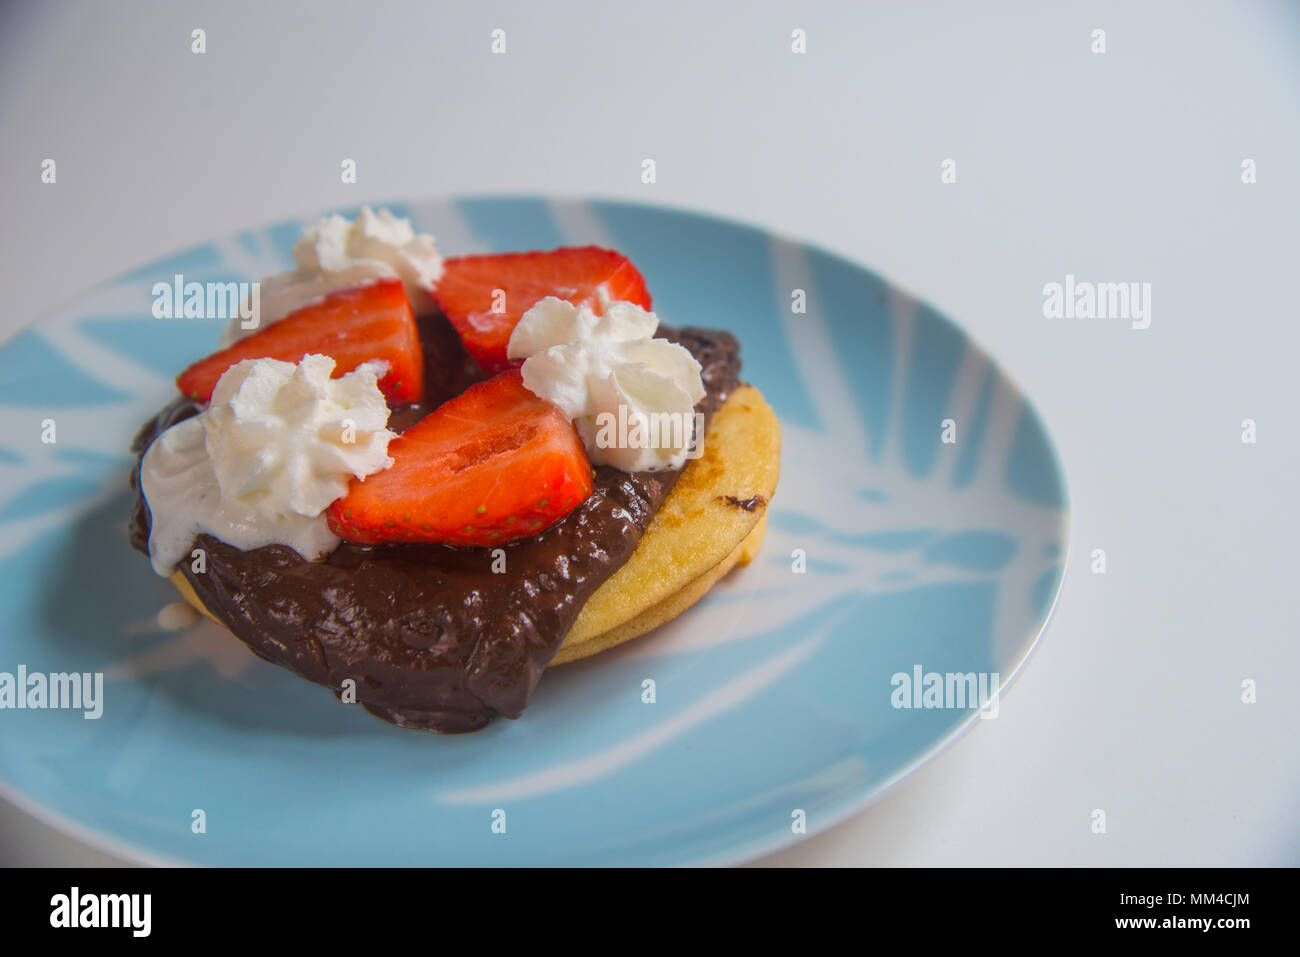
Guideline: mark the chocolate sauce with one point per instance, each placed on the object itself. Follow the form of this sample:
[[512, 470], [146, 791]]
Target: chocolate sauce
[[434, 636]]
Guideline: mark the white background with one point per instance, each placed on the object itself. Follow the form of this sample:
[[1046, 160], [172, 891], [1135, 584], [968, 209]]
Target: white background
[[1117, 167]]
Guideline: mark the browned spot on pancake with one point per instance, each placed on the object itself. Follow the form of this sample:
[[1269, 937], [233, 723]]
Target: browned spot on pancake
[[748, 504], [667, 521], [707, 472]]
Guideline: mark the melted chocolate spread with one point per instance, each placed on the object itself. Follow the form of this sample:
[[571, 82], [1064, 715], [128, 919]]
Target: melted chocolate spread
[[432, 637]]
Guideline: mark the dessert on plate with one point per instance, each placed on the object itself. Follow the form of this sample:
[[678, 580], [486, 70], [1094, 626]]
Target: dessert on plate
[[420, 482]]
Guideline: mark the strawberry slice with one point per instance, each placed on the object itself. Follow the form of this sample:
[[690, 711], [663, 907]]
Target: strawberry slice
[[494, 464], [351, 325], [485, 296]]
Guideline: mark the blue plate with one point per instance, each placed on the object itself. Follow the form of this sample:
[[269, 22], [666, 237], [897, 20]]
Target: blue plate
[[783, 702]]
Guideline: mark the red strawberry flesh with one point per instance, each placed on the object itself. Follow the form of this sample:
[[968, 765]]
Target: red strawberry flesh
[[352, 326], [492, 465], [485, 296]]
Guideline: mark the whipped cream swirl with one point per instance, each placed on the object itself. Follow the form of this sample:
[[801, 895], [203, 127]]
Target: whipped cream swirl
[[631, 396], [334, 245], [278, 444], [335, 252]]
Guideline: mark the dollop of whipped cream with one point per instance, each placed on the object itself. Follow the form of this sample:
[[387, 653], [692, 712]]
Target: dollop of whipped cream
[[334, 245], [259, 466], [335, 252], [631, 396]]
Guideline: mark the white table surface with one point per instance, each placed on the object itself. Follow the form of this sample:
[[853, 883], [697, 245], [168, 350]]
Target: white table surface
[[1123, 166]]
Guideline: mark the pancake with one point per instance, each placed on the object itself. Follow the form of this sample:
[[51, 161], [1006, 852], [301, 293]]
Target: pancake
[[667, 609], [711, 521], [717, 503]]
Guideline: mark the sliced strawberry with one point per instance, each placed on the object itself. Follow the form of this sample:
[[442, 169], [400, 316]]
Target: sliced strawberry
[[471, 286], [494, 464], [351, 326]]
